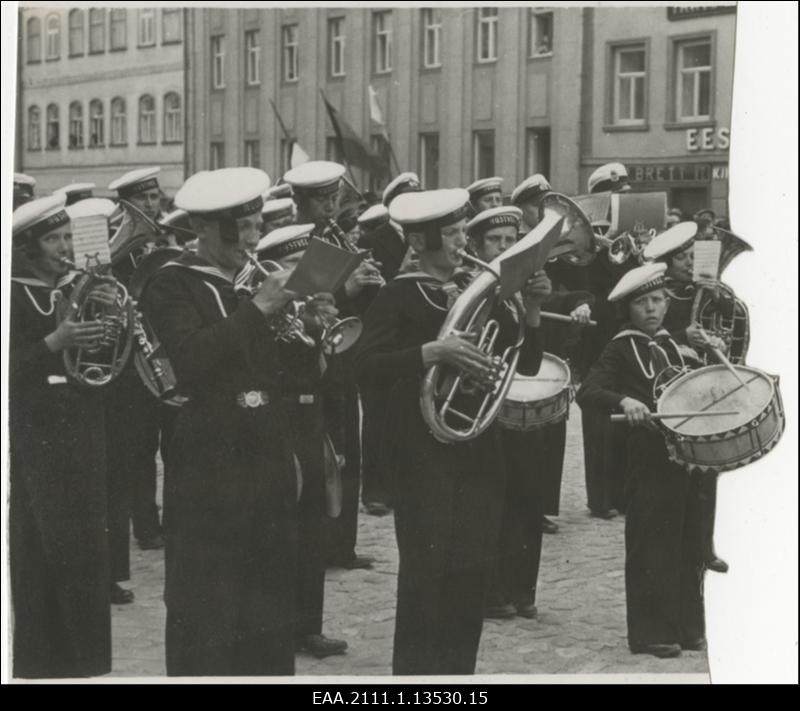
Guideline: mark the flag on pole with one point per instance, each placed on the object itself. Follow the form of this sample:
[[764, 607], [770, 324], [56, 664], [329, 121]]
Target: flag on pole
[[297, 156], [375, 112]]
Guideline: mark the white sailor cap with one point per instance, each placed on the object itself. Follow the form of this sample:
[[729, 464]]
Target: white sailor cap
[[23, 180], [671, 241], [373, 216], [38, 217], [403, 183], [176, 217], [273, 209], [276, 192], [76, 191], [136, 181], [504, 215], [530, 189], [485, 186], [639, 281], [429, 209], [315, 176], [91, 206], [611, 176], [284, 241], [224, 194]]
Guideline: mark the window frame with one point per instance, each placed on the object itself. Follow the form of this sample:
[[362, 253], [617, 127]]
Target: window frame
[[609, 115], [337, 44], [379, 31], [48, 122], [217, 61], [118, 16], [56, 34], [424, 177], [76, 12], [215, 146], [252, 57], [31, 40], [151, 115], [104, 15], [75, 121], [633, 79], [92, 119], [530, 139], [491, 24], [290, 53], [252, 147], [680, 73], [34, 111], [476, 134], [118, 119], [171, 12], [170, 112], [533, 22], [142, 14], [431, 29]]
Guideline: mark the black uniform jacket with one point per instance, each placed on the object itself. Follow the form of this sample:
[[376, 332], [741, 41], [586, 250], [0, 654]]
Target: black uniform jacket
[[388, 247]]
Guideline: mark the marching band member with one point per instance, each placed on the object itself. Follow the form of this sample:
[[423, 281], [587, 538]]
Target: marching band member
[[230, 497], [316, 186], [276, 213], [75, 192], [447, 497], [303, 396], [485, 194], [675, 248], [527, 197], [388, 243], [663, 566], [58, 547], [23, 189]]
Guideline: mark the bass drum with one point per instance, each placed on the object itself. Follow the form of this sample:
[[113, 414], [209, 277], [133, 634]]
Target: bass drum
[[722, 442], [534, 401]]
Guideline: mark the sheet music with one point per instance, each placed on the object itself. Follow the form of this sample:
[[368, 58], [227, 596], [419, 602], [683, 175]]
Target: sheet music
[[90, 241], [638, 211], [706, 260], [323, 268], [527, 256]]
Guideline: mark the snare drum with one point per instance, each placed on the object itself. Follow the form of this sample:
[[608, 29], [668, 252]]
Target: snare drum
[[534, 401], [724, 442]]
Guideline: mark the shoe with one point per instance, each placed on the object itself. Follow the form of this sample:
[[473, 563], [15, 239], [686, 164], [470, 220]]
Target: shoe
[[376, 508], [499, 611], [357, 562], [549, 526], [717, 565], [152, 544], [320, 646], [662, 651], [121, 596], [527, 610], [695, 645], [607, 514]]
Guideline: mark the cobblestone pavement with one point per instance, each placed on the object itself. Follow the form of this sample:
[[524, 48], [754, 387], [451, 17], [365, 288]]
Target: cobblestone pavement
[[581, 602]]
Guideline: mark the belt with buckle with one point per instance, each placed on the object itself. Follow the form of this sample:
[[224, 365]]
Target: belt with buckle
[[252, 398], [301, 398], [57, 380]]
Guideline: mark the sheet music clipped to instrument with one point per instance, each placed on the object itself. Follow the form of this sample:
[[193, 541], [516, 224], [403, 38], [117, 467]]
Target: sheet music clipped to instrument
[[90, 241], [706, 260]]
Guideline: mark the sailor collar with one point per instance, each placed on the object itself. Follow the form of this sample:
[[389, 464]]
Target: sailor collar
[[194, 263]]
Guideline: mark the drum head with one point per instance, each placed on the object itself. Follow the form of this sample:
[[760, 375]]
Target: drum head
[[552, 378], [714, 388]]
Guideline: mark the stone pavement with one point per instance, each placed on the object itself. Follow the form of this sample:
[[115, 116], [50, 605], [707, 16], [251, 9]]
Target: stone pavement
[[581, 601]]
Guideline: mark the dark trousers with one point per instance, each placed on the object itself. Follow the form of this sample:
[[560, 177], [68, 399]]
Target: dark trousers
[[663, 557], [553, 440], [604, 461], [374, 405], [520, 546], [707, 491]]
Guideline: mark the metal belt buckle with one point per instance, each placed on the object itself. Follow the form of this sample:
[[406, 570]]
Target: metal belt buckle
[[252, 398], [306, 399], [56, 379]]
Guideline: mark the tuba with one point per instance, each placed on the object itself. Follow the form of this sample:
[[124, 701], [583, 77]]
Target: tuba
[[717, 308], [102, 362], [455, 408]]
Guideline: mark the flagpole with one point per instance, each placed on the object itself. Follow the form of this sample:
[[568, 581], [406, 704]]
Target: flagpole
[[391, 153], [341, 143], [289, 138]]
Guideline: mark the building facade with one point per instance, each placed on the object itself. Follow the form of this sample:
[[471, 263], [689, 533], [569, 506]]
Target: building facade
[[101, 92], [657, 96]]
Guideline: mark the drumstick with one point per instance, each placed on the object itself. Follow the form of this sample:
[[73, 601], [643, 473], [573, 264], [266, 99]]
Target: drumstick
[[720, 356], [553, 316], [687, 415]]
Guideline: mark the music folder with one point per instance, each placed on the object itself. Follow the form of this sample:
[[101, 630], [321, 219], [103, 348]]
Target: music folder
[[529, 255], [637, 211], [323, 268]]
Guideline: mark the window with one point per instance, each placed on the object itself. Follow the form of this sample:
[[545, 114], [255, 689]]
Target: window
[[537, 151], [147, 119], [76, 125], [694, 80], [629, 85], [336, 46], [487, 34], [173, 126], [252, 57], [53, 37], [34, 39], [53, 127], [252, 154], [541, 34], [96, 123], [290, 49], [171, 30], [380, 148], [75, 33], [218, 62], [34, 129], [97, 30], [431, 35], [217, 157], [382, 24], [119, 122], [429, 160], [147, 27], [119, 29], [483, 154]]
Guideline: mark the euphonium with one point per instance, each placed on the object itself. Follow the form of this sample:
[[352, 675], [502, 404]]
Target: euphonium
[[101, 363]]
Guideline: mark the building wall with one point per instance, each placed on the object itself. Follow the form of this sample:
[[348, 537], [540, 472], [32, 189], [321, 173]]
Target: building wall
[[658, 153], [128, 73], [508, 95]]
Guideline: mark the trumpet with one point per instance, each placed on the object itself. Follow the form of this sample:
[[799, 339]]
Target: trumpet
[[621, 248]]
